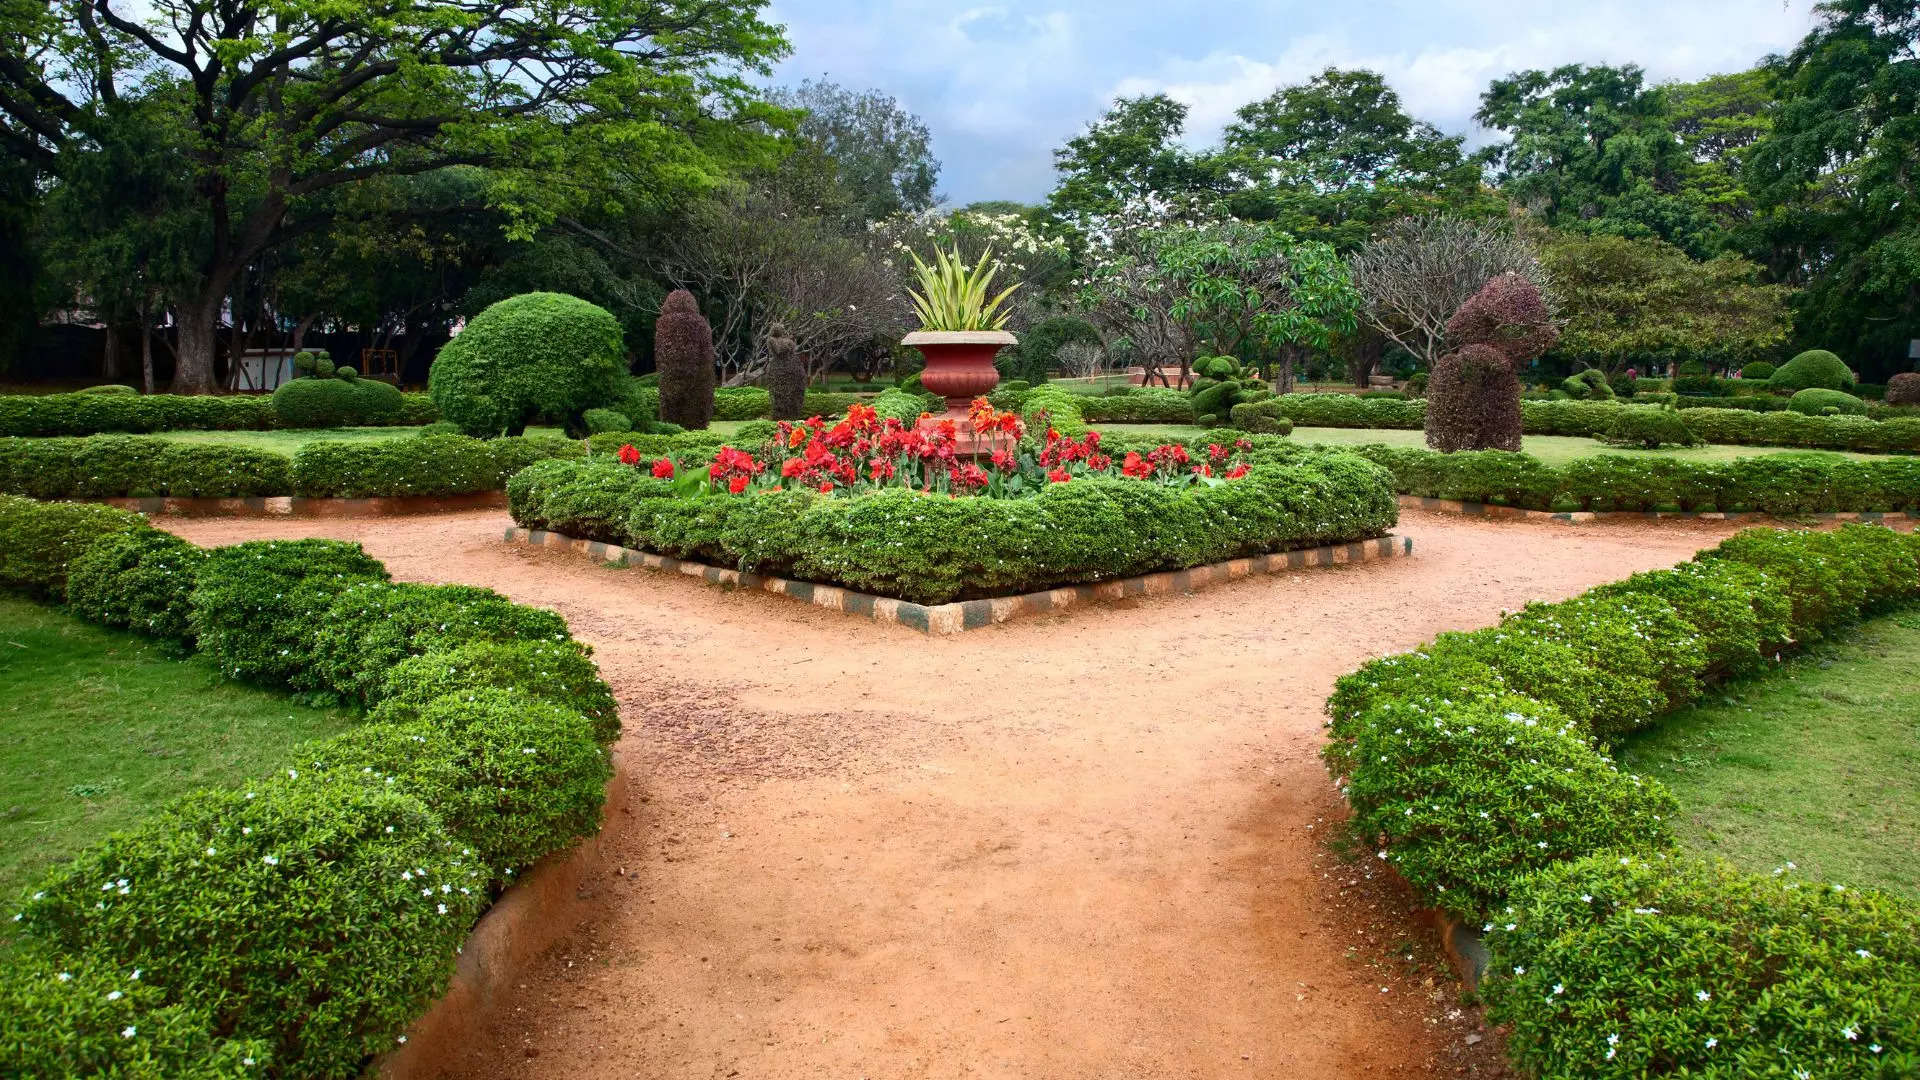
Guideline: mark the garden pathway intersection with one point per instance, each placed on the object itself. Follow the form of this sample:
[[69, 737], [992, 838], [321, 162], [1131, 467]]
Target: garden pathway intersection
[[1068, 847]]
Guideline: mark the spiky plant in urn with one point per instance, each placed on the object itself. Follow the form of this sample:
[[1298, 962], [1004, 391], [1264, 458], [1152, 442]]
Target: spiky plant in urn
[[960, 328]]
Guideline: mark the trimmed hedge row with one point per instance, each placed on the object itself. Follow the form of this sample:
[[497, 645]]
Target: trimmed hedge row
[[1477, 765], [1142, 405], [1782, 484], [756, 403], [296, 926], [40, 415], [933, 550], [1593, 419], [111, 466]]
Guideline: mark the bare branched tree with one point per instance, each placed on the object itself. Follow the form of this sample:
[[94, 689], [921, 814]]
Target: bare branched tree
[[1080, 359], [1419, 270]]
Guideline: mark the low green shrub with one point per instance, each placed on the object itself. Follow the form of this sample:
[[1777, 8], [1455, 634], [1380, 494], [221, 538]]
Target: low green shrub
[[558, 671], [1469, 798], [1650, 429], [418, 408], [319, 920], [1759, 370], [822, 403], [372, 625], [426, 465], [1652, 965], [1742, 616], [91, 1019], [141, 579], [1823, 585], [258, 606], [105, 466], [895, 404], [512, 776], [744, 403], [43, 540], [40, 415], [1826, 403], [1813, 369], [1145, 405], [336, 402], [601, 421], [1262, 417], [1049, 407]]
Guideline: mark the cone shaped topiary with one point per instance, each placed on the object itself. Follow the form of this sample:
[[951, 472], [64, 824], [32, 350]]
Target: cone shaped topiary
[[786, 375], [683, 351]]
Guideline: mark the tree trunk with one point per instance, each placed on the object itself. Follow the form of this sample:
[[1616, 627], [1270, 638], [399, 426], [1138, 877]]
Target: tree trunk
[[1364, 359], [146, 355], [199, 332], [110, 356], [1283, 372]]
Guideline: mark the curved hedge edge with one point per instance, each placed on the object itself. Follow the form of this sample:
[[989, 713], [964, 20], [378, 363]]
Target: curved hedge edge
[[1575, 517], [543, 905], [966, 615], [270, 506]]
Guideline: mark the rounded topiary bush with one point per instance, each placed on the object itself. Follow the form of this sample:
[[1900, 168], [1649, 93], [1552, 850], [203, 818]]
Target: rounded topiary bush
[[313, 364], [1826, 403], [1637, 965], [601, 421], [258, 606], [559, 671], [1261, 417], [318, 918], [524, 357], [142, 580], [1759, 369], [1904, 389], [335, 402], [111, 389], [1649, 428], [518, 779], [372, 625], [1815, 369]]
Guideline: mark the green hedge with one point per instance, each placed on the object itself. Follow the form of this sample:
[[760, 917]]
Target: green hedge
[[296, 926], [756, 403], [934, 550], [105, 466], [1477, 766], [336, 402], [1141, 405], [41, 415], [1784, 484]]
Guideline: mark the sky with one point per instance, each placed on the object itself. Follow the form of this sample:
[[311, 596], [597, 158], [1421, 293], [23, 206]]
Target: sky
[[1002, 84]]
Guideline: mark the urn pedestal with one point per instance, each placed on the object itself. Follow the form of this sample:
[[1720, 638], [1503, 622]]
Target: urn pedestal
[[960, 368]]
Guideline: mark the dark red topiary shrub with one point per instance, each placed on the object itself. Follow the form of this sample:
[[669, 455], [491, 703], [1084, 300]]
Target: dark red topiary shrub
[[1473, 396], [786, 376], [1904, 389], [683, 352]]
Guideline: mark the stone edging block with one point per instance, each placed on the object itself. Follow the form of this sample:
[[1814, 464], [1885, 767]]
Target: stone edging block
[[972, 614]]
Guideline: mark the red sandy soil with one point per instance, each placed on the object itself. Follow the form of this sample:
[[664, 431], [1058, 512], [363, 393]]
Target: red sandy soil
[[1086, 845]]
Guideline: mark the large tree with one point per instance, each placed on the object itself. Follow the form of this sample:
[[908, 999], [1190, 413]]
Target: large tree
[[1837, 184], [1625, 301], [279, 103], [1335, 157], [1131, 153], [882, 154]]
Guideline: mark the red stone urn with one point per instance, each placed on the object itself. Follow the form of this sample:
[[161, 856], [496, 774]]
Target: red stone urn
[[959, 363]]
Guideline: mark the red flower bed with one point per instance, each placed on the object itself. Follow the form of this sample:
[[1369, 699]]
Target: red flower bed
[[864, 453]]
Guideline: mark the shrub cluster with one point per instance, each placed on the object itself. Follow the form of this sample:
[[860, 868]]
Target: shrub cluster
[[335, 402], [1818, 402], [537, 354], [1141, 405], [1815, 369], [1478, 765], [1262, 417], [108, 466], [88, 413], [1783, 484], [933, 550], [1650, 429], [296, 926]]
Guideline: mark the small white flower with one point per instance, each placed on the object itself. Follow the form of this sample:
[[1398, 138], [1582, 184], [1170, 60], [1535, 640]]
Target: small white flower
[[1559, 988], [1850, 1034], [65, 976], [128, 1032], [114, 995], [1519, 971], [1712, 1042], [1702, 995]]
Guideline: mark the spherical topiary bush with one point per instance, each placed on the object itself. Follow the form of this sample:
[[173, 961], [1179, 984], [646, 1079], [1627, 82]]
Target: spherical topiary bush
[[1826, 403], [1473, 398], [683, 351], [320, 919], [316, 403], [141, 580], [1650, 428], [1904, 389], [313, 364], [527, 356], [1815, 369], [1759, 369], [786, 376]]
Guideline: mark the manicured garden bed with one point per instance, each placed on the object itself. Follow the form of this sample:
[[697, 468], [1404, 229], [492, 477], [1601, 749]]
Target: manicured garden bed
[[1477, 767], [104, 726], [294, 923], [1815, 763]]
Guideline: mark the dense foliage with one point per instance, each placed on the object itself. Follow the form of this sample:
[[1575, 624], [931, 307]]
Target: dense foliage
[[1474, 392], [683, 351], [539, 354]]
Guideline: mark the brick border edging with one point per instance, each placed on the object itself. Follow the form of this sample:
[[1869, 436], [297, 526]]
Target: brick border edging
[[1494, 510], [973, 614], [542, 907], [307, 506]]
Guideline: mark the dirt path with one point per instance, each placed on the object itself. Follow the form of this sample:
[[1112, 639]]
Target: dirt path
[[1080, 846]]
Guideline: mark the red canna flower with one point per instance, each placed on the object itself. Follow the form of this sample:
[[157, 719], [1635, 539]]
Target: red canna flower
[[1059, 476], [737, 485], [1237, 472], [826, 488], [663, 469], [1217, 453], [628, 455]]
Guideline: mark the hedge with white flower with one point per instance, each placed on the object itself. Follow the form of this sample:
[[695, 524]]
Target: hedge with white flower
[[1478, 767]]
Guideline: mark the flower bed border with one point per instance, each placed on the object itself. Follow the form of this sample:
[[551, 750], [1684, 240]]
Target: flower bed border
[[973, 614], [1575, 517], [306, 505], [545, 905]]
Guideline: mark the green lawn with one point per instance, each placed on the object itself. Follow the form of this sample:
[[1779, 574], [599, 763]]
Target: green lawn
[[1817, 763], [102, 726]]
